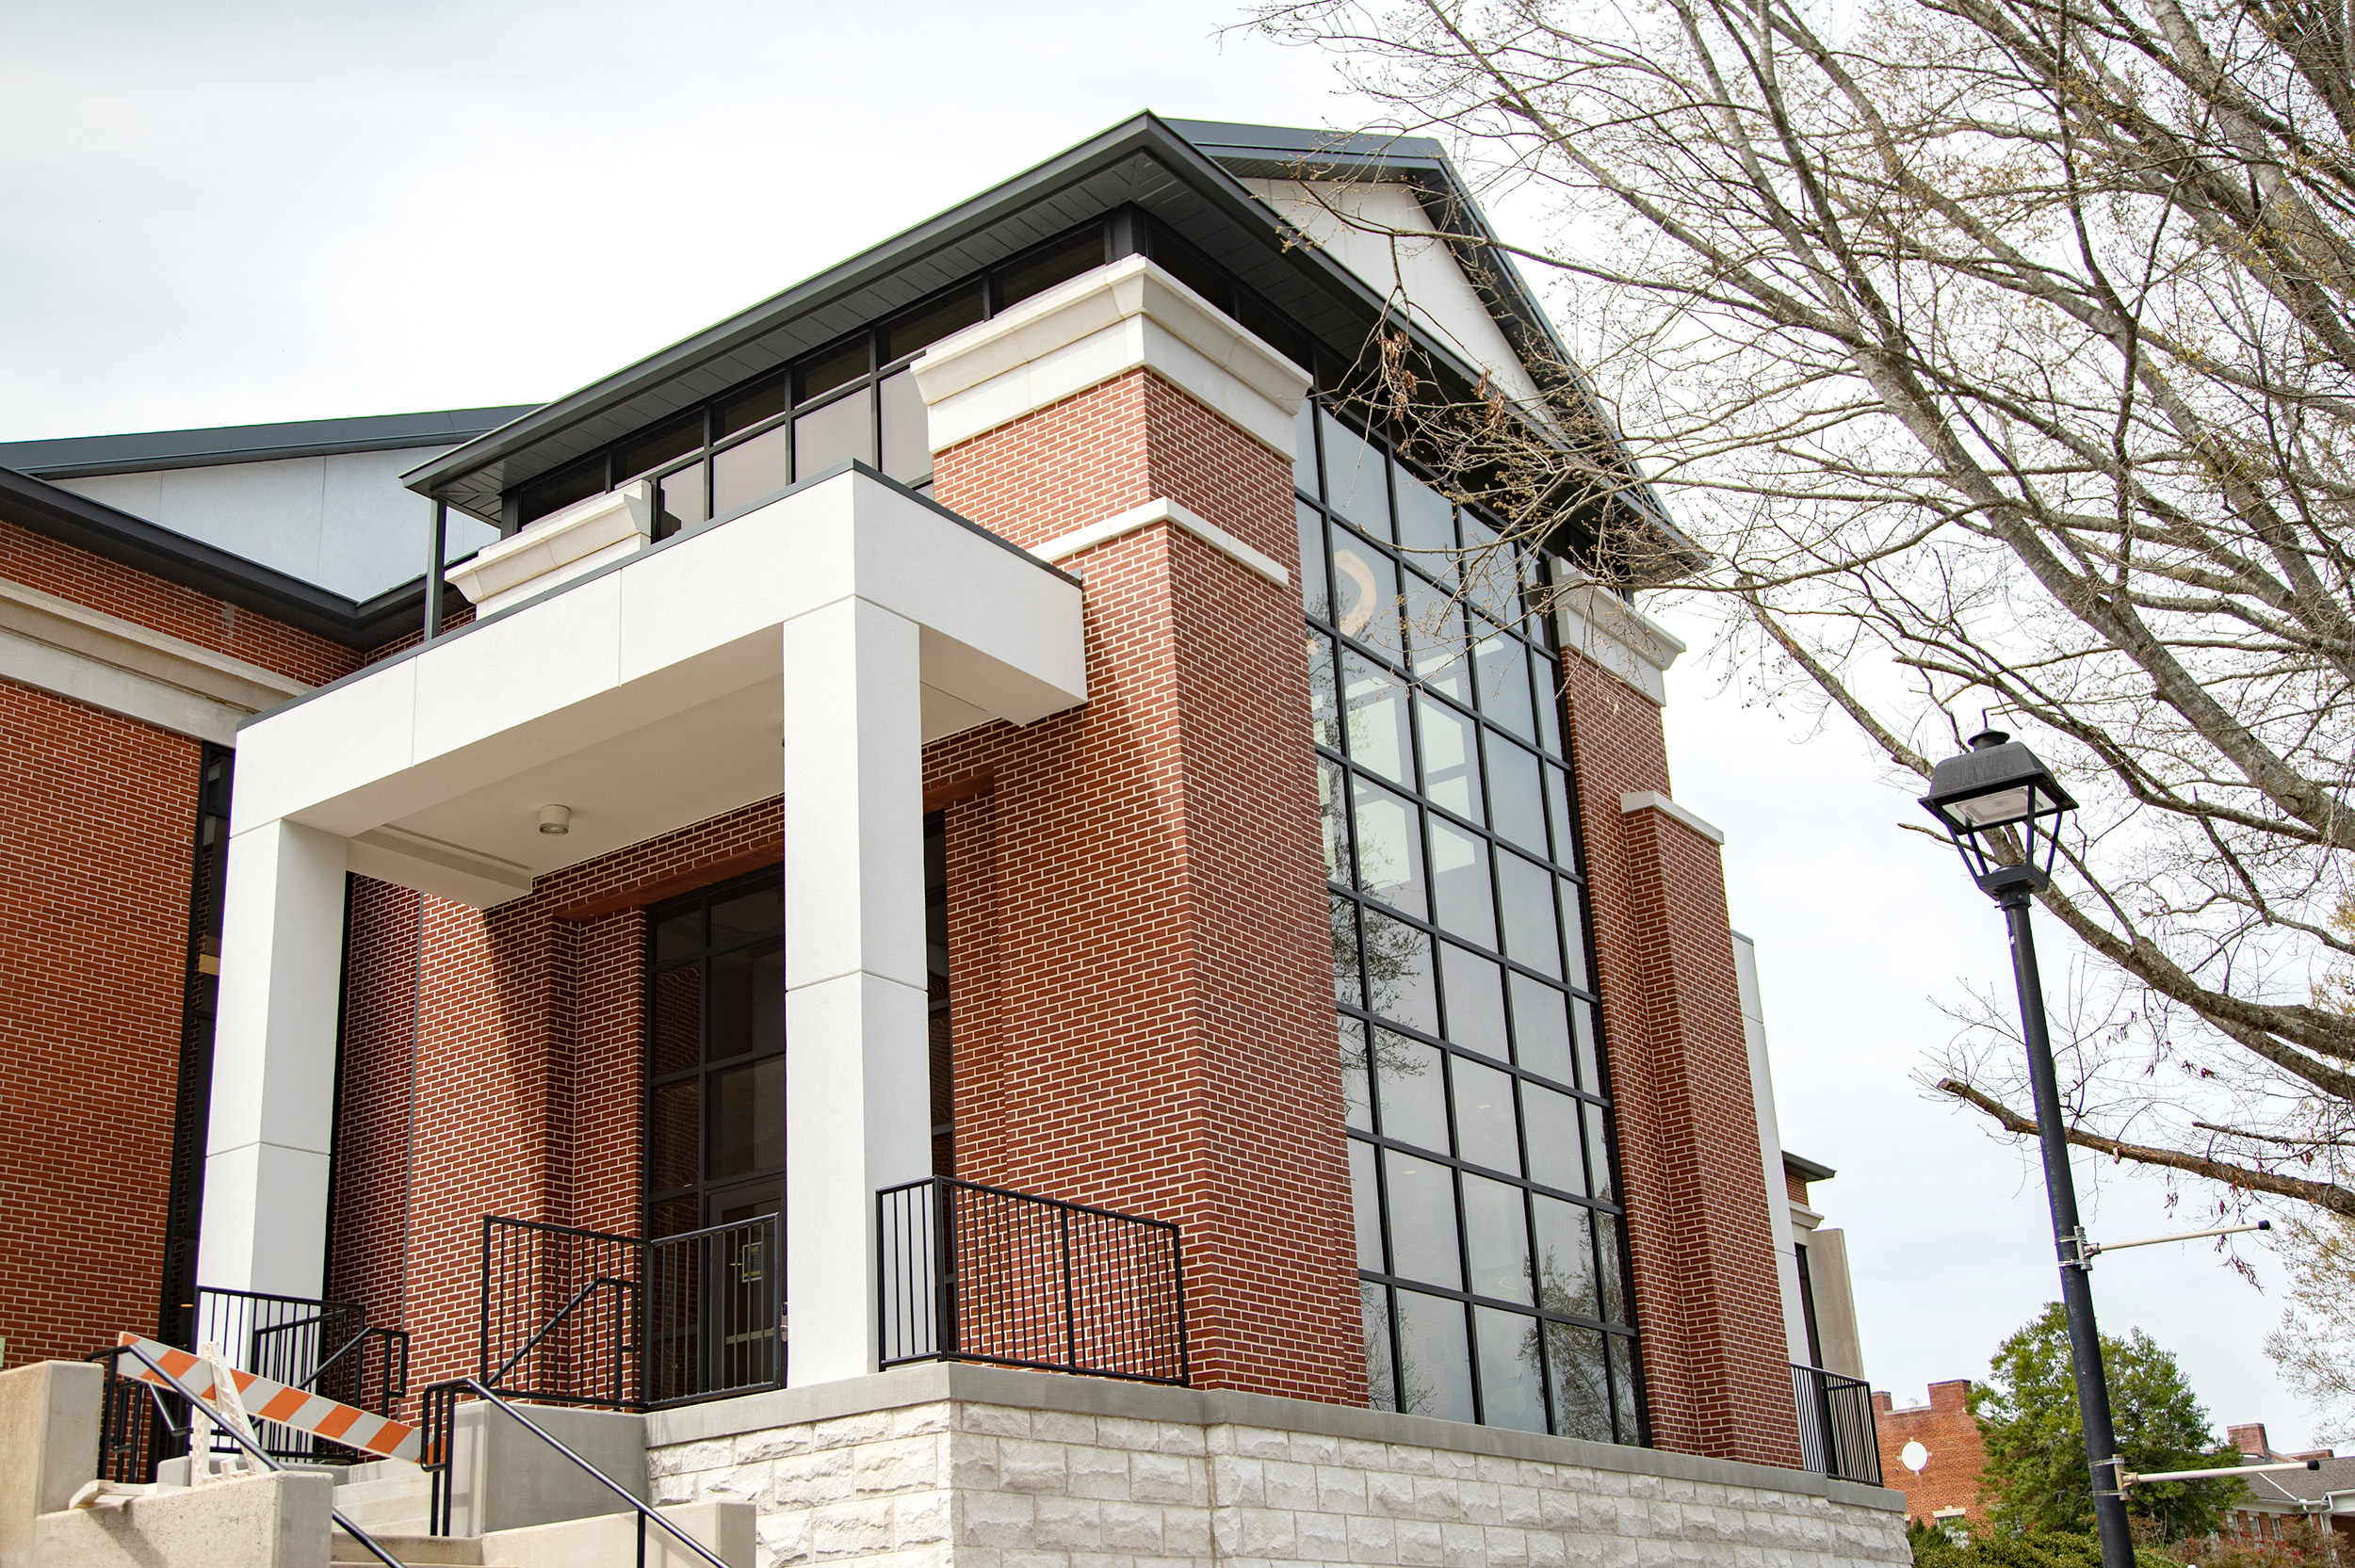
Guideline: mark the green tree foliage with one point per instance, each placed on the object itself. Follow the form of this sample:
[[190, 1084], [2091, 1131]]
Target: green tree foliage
[[1934, 1548], [2037, 1477]]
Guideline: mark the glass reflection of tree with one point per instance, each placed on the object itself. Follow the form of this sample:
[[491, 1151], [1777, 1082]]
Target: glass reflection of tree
[[1582, 1396]]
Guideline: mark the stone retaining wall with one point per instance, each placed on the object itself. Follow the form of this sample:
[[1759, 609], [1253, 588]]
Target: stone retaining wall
[[985, 1468]]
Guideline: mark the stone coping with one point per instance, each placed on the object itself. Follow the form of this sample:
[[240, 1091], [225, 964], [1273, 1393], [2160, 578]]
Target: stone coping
[[936, 1382]]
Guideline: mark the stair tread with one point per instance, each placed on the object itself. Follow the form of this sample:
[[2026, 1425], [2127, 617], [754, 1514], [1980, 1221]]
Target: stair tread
[[421, 1550]]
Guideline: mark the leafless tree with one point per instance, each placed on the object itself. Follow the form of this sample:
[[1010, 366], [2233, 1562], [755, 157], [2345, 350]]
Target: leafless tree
[[1990, 355]]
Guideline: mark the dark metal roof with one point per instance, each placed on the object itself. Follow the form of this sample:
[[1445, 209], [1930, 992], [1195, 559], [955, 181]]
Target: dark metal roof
[[87, 525], [1180, 172], [72, 457], [1805, 1168]]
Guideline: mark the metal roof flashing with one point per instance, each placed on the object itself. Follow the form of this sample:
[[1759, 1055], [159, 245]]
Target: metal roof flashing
[[78, 457]]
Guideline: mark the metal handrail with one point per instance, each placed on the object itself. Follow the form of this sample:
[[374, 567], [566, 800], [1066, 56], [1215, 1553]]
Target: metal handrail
[[443, 1453], [220, 1423], [561, 1313]]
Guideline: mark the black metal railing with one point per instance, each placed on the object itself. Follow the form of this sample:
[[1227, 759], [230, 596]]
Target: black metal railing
[[977, 1273], [440, 1446], [579, 1316], [1837, 1433], [327, 1348]]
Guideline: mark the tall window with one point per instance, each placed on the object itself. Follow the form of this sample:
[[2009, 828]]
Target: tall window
[[715, 1056], [1489, 1246], [853, 400]]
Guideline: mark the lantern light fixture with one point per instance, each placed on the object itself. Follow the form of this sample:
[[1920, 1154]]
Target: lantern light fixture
[[1994, 795]]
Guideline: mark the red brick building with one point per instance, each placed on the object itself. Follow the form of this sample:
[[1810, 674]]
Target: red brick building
[[1940, 1476], [1172, 822]]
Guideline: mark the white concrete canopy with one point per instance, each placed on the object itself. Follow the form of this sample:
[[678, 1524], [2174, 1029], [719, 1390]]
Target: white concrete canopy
[[848, 622]]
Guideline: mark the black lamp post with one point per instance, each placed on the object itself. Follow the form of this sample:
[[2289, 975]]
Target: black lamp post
[[1998, 795]]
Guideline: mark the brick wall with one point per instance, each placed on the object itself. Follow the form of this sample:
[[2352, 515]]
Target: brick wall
[[493, 1065], [1138, 948], [1708, 1306], [1947, 1429]]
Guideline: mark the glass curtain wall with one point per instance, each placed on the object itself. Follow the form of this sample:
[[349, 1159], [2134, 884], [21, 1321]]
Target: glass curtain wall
[[1487, 1216], [854, 401]]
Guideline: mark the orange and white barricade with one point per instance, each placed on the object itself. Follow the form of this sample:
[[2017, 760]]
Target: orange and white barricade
[[268, 1400]]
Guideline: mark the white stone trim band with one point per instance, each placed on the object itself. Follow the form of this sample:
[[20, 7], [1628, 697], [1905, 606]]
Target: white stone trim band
[[1101, 325], [123, 666], [1163, 509], [1651, 800], [1593, 621], [557, 548]]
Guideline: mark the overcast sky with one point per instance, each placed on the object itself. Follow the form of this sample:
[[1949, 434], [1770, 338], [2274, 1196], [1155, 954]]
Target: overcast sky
[[235, 212]]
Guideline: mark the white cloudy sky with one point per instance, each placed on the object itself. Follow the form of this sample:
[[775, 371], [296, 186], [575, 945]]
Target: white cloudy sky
[[236, 212]]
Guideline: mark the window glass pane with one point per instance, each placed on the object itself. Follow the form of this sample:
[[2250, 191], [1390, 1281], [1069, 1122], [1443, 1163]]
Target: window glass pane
[[1583, 1027], [1459, 879], [1398, 972], [671, 1127], [1541, 1029], [1475, 1001], [743, 409], [1354, 484], [1043, 269], [1366, 1201], [1582, 1392], [1304, 449], [679, 935], [1276, 330], [748, 1000], [1516, 801], [1389, 848], [1434, 1363], [842, 431], [1366, 595], [1381, 1387], [1414, 1101], [1316, 597], [1558, 815], [1623, 1387], [1525, 892], [674, 1217], [656, 447], [1434, 626], [1451, 758], [1510, 1392], [559, 491], [1548, 678], [1426, 524], [1321, 691], [1503, 677], [758, 912], [1486, 1131], [1356, 1091], [1180, 262], [1574, 936], [681, 504], [1346, 989], [1555, 1156], [1496, 1234], [1566, 1258], [907, 446], [748, 1118], [1597, 1154], [931, 321], [1376, 704], [1422, 1221], [1333, 812], [1607, 1250], [752, 470], [677, 1024], [830, 367]]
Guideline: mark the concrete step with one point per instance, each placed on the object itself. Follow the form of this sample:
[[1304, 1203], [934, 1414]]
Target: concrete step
[[418, 1550], [387, 1497]]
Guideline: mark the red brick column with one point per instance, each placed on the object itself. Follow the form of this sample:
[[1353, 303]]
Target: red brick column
[[1143, 1013], [1709, 1304]]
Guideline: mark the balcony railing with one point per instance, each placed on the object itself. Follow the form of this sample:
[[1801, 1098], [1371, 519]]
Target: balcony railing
[[1837, 1434], [977, 1273], [578, 1316], [327, 1348]]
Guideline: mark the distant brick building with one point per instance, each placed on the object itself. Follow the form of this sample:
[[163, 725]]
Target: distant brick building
[[1946, 1488]]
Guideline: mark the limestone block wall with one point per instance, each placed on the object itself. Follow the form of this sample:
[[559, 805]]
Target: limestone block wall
[[981, 1467]]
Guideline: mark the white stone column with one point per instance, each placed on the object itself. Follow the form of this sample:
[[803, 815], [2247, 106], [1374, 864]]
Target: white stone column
[[273, 1112], [858, 1098]]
